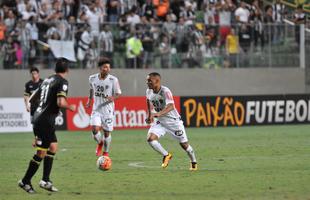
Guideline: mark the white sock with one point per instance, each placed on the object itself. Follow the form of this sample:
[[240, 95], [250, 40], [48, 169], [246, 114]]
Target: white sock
[[97, 137], [107, 143], [157, 147], [191, 153]]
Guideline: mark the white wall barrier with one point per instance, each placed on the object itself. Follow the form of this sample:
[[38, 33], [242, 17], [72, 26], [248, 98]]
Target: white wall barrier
[[13, 116]]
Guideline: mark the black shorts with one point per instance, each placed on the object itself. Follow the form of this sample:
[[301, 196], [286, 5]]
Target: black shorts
[[45, 133]]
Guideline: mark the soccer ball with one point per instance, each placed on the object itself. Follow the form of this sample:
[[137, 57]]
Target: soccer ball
[[104, 163]]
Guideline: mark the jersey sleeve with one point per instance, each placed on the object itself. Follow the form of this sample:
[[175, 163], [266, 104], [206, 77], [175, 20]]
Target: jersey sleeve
[[27, 90], [168, 96], [62, 90], [117, 88], [147, 94]]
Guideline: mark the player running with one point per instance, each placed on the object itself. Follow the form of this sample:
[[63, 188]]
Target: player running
[[52, 95], [164, 118], [104, 89]]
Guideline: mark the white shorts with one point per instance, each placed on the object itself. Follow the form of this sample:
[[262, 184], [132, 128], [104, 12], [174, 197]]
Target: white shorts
[[175, 129], [103, 120]]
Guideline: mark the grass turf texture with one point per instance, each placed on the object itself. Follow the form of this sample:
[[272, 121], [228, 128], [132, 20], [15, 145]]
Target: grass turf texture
[[271, 162]]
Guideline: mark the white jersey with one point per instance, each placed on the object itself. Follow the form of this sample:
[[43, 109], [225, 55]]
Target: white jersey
[[160, 100], [102, 89]]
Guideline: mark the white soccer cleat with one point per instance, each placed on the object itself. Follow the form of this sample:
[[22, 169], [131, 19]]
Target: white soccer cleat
[[27, 187], [48, 186]]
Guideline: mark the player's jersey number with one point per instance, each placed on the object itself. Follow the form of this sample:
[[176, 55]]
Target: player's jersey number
[[99, 91], [44, 93]]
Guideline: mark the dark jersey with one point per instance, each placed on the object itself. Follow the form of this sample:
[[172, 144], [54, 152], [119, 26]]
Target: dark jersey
[[30, 87], [51, 88]]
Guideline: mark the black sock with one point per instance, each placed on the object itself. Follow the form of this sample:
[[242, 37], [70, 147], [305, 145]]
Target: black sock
[[47, 167], [32, 169]]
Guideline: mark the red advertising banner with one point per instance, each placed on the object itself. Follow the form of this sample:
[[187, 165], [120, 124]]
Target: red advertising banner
[[130, 112]]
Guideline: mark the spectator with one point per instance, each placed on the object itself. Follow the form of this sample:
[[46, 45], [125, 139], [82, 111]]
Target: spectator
[[2, 32], [21, 7], [164, 50], [147, 43], [198, 48], [242, 14], [148, 10], [232, 48], [24, 37], [9, 53], [257, 20], [44, 14], [209, 14], [92, 56], [299, 18], [268, 20], [93, 19], [169, 27], [134, 50], [10, 21], [34, 36], [182, 39], [18, 54], [29, 12], [106, 43], [162, 8], [71, 29], [132, 17], [84, 44], [188, 14], [279, 12], [68, 9], [176, 8], [112, 10], [224, 21]]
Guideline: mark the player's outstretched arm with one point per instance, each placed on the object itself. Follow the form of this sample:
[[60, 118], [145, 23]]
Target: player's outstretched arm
[[63, 103]]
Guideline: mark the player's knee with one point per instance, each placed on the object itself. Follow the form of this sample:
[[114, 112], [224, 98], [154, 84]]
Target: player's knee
[[41, 153], [151, 137], [53, 147], [95, 130], [107, 134]]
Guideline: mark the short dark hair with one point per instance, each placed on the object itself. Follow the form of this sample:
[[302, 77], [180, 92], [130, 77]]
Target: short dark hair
[[154, 74], [103, 60], [61, 65], [34, 69]]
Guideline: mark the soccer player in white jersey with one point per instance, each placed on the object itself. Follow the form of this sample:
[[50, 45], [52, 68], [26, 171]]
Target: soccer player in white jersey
[[104, 89], [164, 118]]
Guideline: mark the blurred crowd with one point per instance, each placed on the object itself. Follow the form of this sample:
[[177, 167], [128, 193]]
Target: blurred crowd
[[178, 33]]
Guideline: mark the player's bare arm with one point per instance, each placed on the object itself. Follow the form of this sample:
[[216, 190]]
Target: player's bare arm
[[63, 103], [149, 118], [27, 104], [164, 111], [90, 98]]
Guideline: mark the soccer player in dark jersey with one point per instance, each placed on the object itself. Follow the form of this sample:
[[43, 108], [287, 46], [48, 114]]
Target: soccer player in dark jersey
[[52, 95], [30, 87]]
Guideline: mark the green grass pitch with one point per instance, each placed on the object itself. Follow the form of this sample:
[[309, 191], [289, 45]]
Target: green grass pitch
[[266, 162]]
